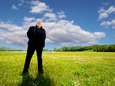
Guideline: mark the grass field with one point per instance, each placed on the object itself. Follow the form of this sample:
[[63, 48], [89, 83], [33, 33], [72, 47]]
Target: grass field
[[60, 69]]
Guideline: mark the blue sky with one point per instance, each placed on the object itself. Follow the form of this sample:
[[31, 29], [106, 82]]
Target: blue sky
[[67, 22]]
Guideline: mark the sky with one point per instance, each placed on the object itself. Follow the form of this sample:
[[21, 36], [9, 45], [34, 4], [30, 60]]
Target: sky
[[67, 22]]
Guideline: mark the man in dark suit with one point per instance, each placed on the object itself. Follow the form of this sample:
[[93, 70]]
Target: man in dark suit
[[36, 35]]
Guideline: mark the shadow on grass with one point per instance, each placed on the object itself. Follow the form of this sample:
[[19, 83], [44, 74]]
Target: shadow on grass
[[40, 80]]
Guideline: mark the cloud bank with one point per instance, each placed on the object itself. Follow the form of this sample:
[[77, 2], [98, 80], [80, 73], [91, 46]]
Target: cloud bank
[[59, 30], [106, 17]]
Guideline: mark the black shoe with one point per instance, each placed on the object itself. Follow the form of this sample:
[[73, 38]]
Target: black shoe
[[24, 72], [40, 71]]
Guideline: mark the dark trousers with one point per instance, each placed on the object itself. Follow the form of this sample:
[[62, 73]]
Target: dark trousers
[[30, 52]]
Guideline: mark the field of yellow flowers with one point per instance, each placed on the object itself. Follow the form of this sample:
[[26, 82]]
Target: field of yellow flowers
[[60, 69]]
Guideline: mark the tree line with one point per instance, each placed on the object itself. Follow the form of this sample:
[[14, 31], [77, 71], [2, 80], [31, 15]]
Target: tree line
[[96, 48]]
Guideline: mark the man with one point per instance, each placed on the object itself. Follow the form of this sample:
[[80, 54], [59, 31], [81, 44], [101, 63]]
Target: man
[[36, 35]]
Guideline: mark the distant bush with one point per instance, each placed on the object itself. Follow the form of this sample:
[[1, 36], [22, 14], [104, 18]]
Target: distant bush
[[96, 48], [104, 48]]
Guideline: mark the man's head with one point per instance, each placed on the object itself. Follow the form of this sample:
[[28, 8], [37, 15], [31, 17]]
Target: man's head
[[39, 24]]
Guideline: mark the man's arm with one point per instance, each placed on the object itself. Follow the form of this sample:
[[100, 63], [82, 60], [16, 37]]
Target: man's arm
[[44, 37], [29, 32]]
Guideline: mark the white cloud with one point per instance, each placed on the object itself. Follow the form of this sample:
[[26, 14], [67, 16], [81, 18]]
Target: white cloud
[[50, 15], [29, 19], [13, 34], [99, 35], [61, 14], [108, 24], [65, 32], [14, 7], [9, 27], [106, 17], [38, 7], [111, 9], [105, 13]]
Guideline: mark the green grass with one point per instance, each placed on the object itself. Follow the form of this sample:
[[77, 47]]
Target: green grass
[[60, 69]]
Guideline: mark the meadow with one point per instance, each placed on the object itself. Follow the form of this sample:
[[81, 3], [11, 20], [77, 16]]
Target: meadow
[[60, 69]]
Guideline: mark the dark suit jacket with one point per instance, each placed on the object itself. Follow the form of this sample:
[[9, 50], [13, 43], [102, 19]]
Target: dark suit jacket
[[36, 36]]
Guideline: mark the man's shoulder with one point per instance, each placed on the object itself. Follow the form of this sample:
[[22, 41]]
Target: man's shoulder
[[32, 26], [43, 29]]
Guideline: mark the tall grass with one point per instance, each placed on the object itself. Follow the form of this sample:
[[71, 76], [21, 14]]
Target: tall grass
[[60, 69]]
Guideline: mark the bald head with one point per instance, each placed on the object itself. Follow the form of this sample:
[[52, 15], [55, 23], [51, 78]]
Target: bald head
[[40, 24]]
